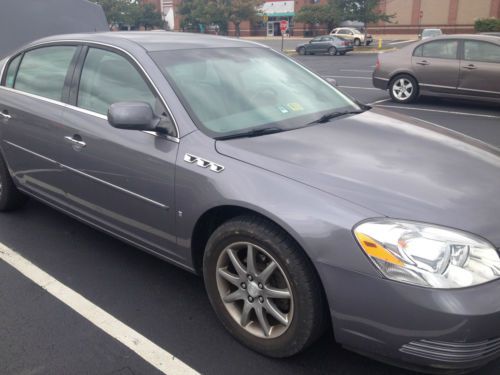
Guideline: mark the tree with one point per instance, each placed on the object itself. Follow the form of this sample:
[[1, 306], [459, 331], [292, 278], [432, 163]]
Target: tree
[[242, 10], [130, 13], [318, 13], [150, 18]]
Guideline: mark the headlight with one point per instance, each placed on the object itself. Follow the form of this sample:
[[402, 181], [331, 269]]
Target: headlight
[[427, 255]]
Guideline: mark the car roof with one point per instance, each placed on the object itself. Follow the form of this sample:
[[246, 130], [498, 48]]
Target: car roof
[[153, 40], [490, 38]]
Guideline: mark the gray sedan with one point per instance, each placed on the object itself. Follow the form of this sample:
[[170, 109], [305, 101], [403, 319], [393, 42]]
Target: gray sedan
[[332, 45], [302, 209], [466, 66]]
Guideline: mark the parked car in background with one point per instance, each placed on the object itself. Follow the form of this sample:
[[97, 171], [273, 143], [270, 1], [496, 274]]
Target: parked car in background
[[333, 45], [356, 36], [430, 33], [491, 33], [465, 66]]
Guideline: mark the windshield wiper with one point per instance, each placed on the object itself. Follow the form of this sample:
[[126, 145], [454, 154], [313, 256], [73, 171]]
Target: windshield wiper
[[252, 133], [332, 115]]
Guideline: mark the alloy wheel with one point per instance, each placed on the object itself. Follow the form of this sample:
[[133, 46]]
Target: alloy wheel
[[402, 89], [255, 290]]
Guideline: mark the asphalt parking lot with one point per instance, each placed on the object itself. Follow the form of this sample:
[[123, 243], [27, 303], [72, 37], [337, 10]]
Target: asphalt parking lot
[[168, 306]]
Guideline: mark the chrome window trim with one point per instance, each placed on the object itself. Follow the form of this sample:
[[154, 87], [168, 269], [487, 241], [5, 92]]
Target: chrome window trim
[[89, 42], [78, 109], [161, 205]]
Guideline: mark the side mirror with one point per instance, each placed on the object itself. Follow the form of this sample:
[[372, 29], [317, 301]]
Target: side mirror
[[132, 116], [419, 36], [331, 81]]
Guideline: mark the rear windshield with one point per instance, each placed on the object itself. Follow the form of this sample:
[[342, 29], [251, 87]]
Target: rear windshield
[[230, 90]]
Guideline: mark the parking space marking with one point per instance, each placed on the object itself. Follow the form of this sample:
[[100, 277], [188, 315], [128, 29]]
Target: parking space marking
[[356, 70], [441, 111], [149, 351], [403, 41], [358, 88], [379, 101], [348, 77]]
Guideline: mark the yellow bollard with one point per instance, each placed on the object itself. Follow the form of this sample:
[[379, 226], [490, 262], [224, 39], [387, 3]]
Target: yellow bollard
[[380, 43]]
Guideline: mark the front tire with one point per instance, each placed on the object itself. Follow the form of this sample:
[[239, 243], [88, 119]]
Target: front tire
[[302, 51], [262, 287], [10, 197], [403, 89]]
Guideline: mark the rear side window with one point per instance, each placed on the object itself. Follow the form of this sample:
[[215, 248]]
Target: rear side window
[[11, 72], [109, 78], [475, 50], [43, 71], [440, 49]]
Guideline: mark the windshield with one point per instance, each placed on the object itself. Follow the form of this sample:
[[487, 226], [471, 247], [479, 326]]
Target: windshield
[[431, 33], [236, 90]]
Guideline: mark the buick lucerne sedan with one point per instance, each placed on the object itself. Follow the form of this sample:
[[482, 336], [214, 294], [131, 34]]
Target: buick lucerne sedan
[[302, 209]]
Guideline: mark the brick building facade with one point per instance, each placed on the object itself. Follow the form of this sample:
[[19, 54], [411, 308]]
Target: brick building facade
[[410, 16]]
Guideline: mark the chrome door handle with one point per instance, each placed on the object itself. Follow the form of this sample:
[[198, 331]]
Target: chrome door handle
[[470, 67], [74, 141], [423, 63], [5, 115]]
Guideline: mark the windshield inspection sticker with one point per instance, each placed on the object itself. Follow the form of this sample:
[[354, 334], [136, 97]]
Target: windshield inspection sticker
[[295, 107], [283, 109]]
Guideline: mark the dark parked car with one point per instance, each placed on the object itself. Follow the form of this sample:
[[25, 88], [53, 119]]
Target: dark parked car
[[465, 66], [299, 206], [325, 44]]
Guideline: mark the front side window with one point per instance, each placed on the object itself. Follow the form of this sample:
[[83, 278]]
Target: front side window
[[109, 78], [11, 71], [440, 49], [475, 50], [228, 91], [43, 71]]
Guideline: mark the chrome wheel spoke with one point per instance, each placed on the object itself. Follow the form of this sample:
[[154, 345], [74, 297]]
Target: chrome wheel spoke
[[264, 324], [245, 314], [251, 260], [226, 275], [240, 270], [276, 293], [268, 271], [237, 295], [275, 313]]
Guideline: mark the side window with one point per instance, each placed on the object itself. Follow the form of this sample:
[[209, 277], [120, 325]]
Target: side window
[[441, 49], [418, 51], [43, 71], [109, 78], [475, 50], [317, 39], [11, 71]]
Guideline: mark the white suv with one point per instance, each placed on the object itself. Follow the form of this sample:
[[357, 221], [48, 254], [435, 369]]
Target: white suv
[[357, 37]]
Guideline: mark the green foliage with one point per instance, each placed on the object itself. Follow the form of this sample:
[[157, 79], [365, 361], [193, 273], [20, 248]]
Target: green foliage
[[365, 11], [197, 14], [318, 13], [487, 24], [130, 13]]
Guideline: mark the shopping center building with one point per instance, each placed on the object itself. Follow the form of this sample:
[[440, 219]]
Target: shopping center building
[[410, 16]]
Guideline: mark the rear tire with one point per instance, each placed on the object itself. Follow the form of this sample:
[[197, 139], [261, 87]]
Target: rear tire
[[332, 51], [403, 89], [341, 53], [357, 42], [10, 197], [239, 290]]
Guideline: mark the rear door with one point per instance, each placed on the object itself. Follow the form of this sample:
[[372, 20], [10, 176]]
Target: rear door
[[436, 65], [121, 180], [32, 98], [480, 69]]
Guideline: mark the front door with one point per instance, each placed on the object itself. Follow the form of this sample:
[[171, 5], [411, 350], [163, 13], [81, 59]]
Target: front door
[[122, 180], [436, 65], [480, 69], [270, 29]]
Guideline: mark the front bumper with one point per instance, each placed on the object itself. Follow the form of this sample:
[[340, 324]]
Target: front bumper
[[414, 327]]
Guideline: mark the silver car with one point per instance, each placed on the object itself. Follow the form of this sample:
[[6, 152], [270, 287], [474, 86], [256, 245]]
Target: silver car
[[302, 209], [465, 66]]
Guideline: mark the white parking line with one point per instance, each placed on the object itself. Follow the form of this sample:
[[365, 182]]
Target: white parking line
[[149, 351], [348, 77], [440, 111], [358, 88], [356, 70], [401, 42], [379, 101]]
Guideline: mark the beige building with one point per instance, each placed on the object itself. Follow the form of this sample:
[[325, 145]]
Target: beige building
[[453, 16]]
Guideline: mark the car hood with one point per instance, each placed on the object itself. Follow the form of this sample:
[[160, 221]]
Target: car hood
[[391, 164]]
